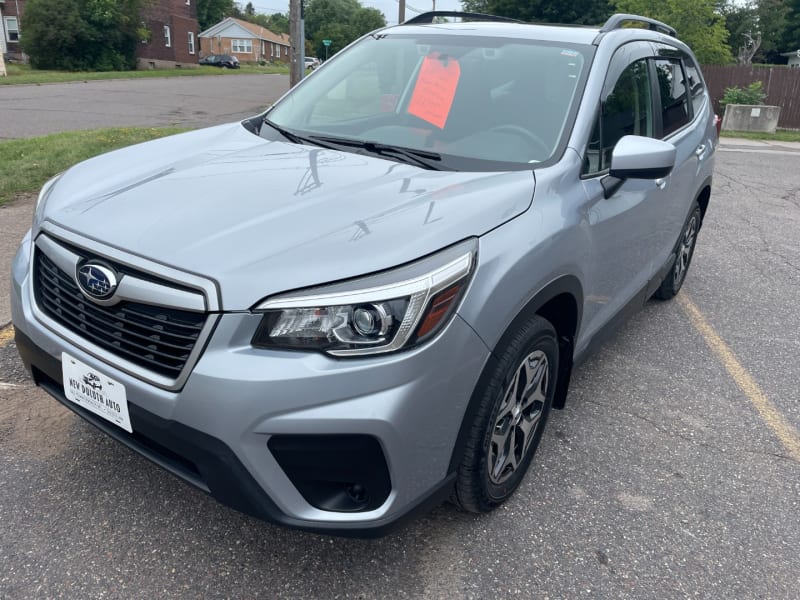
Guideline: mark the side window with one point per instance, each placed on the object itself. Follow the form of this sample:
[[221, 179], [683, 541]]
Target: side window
[[674, 97], [695, 85], [626, 110]]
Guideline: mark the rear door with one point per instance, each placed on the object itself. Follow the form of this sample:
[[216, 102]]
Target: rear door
[[683, 111]]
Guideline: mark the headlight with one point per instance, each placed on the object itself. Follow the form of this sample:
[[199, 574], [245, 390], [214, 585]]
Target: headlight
[[41, 200], [372, 315]]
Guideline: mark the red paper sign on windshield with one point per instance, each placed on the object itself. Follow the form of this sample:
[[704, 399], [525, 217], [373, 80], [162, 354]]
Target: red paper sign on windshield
[[435, 90]]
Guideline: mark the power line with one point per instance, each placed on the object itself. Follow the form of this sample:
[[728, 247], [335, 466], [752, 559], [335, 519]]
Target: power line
[[411, 8]]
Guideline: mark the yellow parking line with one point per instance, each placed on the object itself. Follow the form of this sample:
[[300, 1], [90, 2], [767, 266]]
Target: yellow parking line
[[6, 335], [774, 419]]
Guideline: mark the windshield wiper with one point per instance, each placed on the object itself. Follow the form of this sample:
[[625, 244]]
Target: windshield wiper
[[297, 139], [421, 158]]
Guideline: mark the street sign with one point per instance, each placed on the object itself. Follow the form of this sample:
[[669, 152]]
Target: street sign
[[326, 43]]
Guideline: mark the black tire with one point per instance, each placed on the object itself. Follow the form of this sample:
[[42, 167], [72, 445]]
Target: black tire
[[530, 353], [684, 250]]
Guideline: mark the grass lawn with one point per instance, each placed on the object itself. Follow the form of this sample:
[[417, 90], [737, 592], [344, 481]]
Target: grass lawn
[[782, 135], [26, 164], [18, 74]]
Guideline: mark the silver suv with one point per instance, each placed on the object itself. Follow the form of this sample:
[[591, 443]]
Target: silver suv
[[367, 299]]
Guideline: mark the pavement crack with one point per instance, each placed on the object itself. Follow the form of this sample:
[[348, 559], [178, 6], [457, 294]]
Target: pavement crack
[[675, 434]]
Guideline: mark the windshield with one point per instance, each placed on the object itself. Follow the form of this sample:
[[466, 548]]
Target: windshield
[[474, 102]]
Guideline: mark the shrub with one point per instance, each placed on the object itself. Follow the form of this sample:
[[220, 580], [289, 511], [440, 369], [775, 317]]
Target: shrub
[[752, 94], [82, 35]]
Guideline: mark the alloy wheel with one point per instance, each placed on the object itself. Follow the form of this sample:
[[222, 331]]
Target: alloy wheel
[[685, 251], [518, 417]]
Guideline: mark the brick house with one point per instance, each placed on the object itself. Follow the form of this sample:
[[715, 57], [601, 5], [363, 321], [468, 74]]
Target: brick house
[[10, 18], [172, 41], [173, 35], [246, 41]]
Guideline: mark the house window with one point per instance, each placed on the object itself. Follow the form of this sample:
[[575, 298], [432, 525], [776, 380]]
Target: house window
[[12, 29], [191, 42], [285, 51], [242, 46], [167, 37]]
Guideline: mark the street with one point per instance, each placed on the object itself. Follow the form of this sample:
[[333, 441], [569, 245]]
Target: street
[[673, 472], [31, 110]]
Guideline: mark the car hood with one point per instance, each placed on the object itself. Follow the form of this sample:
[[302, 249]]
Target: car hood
[[262, 217]]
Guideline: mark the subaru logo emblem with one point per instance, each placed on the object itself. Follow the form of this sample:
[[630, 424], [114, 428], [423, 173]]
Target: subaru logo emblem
[[97, 281]]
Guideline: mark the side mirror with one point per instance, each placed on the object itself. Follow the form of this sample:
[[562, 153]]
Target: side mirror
[[637, 157]]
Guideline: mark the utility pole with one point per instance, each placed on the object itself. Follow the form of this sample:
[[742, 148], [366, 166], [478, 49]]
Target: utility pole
[[296, 34], [402, 16], [2, 47]]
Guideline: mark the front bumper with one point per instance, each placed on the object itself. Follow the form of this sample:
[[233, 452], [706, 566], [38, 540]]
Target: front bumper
[[219, 431]]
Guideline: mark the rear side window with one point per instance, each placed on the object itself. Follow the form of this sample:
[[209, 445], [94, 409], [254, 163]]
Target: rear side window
[[695, 84], [674, 95]]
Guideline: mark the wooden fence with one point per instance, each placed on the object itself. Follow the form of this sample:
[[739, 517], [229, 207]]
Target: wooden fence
[[781, 84]]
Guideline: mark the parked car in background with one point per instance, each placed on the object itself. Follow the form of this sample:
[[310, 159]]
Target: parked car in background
[[311, 62], [225, 61], [367, 299]]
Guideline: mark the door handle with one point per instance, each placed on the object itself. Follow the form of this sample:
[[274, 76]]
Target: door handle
[[700, 150], [661, 183]]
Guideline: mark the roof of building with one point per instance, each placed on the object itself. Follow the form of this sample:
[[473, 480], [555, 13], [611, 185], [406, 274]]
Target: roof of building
[[257, 31]]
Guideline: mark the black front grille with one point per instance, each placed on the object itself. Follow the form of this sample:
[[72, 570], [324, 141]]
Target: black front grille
[[156, 338]]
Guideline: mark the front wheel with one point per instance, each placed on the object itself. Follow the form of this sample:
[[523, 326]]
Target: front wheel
[[514, 403], [684, 250]]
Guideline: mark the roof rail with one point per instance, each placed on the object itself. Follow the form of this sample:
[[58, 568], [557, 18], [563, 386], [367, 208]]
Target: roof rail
[[616, 22], [429, 16]]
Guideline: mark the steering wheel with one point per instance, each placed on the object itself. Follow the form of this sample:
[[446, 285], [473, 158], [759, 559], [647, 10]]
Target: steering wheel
[[533, 139]]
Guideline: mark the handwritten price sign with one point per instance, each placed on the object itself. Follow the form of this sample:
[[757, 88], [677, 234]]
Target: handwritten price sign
[[435, 90]]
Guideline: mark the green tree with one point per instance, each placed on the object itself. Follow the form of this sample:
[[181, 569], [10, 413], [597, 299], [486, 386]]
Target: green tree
[[760, 21], [586, 12], [790, 40], [91, 35], [278, 22], [340, 21], [741, 19], [697, 23], [211, 12], [368, 19], [772, 26]]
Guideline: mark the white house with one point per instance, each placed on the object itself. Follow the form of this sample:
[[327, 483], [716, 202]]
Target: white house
[[794, 58]]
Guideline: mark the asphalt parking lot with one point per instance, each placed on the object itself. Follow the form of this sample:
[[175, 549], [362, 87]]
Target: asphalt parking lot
[[674, 471]]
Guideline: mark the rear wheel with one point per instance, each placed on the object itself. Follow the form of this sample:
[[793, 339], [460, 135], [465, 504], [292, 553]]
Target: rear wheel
[[514, 403], [684, 250]]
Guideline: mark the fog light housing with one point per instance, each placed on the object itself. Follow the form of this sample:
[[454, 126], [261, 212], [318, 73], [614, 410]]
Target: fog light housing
[[338, 473]]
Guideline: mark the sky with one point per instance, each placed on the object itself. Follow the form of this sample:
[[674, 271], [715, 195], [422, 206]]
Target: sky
[[389, 8]]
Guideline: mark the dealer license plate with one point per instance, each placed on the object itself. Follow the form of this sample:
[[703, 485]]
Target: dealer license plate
[[97, 393]]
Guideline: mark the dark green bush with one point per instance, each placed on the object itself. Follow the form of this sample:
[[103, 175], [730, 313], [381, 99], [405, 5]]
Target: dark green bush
[[752, 94], [82, 35]]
